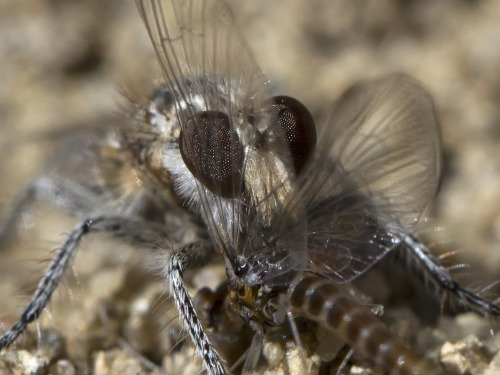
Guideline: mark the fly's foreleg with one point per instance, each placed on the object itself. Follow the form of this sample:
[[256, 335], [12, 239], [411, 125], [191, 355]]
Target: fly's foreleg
[[178, 262]]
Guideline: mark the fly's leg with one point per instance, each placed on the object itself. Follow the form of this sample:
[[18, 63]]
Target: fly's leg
[[9, 221], [133, 231], [68, 196], [178, 262], [78, 201], [441, 279], [320, 300], [255, 350]]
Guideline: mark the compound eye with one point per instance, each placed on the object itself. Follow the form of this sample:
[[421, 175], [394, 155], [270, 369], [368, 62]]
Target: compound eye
[[213, 153], [298, 127]]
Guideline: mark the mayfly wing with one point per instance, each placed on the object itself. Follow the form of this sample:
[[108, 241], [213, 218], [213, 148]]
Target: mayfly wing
[[376, 168]]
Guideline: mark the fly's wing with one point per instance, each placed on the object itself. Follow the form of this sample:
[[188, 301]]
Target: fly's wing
[[200, 38], [375, 170], [386, 136], [216, 84]]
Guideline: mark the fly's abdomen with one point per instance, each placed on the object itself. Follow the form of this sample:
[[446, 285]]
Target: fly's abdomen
[[320, 300]]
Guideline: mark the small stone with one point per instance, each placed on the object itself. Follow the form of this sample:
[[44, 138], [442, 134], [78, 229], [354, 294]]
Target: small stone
[[30, 364], [118, 362], [298, 362], [182, 362], [465, 356], [494, 366], [64, 367], [273, 353], [357, 370], [152, 325]]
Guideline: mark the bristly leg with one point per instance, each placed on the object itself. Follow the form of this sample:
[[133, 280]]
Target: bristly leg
[[133, 231], [424, 265], [66, 195], [178, 262]]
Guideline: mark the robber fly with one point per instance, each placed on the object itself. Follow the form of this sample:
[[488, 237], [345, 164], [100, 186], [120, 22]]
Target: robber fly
[[295, 211]]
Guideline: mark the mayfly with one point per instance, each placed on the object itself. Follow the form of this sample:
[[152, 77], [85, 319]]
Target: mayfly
[[295, 212]]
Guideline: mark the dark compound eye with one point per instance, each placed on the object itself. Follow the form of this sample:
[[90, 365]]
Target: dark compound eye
[[213, 153], [299, 128]]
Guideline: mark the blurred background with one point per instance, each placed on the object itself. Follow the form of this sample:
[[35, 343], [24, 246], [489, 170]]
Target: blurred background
[[62, 64]]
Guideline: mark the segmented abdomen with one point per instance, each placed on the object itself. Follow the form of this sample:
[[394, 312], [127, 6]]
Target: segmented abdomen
[[321, 300]]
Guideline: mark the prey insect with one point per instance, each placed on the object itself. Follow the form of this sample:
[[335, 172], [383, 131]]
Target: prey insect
[[292, 214]]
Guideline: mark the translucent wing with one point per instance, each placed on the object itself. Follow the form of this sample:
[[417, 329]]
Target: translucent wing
[[219, 91], [376, 168], [196, 39], [385, 135]]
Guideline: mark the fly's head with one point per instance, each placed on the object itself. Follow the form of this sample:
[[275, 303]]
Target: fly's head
[[232, 157], [230, 148]]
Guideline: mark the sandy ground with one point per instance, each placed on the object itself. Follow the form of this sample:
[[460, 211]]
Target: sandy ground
[[61, 66]]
